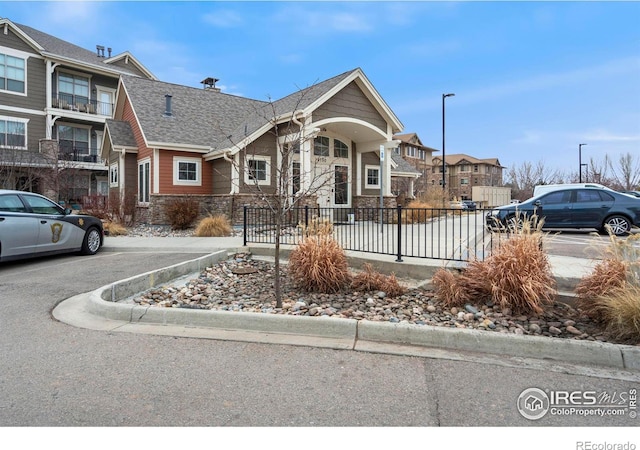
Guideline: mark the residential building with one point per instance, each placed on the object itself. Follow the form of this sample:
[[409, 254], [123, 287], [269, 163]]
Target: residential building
[[419, 156], [463, 172], [55, 98], [168, 141]]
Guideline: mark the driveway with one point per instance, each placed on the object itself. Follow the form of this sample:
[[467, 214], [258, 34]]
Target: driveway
[[52, 374]]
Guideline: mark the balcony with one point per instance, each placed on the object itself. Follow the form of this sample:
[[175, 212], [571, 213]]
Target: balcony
[[81, 104], [77, 154]]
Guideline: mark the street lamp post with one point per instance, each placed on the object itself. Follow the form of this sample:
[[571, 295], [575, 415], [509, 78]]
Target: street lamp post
[[580, 162], [444, 169]]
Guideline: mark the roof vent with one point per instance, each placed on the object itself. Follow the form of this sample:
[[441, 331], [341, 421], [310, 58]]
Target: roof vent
[[210, 84], [167, 109], [109, 51], [100, 51]]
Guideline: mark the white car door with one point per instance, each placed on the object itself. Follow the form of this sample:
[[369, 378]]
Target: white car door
[[18, 230]]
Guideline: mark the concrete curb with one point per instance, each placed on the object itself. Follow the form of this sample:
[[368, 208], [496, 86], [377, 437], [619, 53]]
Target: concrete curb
[[341, 333]]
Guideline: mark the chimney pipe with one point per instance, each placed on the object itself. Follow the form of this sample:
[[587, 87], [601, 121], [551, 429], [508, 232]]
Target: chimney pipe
[[167, 101], [109, 50]]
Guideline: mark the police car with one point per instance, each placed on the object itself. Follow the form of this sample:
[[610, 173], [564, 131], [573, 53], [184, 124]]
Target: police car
[[32, 225]]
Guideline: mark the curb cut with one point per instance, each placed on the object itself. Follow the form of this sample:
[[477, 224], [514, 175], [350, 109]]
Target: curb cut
[[324, 332]]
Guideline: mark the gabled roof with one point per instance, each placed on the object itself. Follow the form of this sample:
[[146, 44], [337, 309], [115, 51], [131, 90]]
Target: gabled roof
[[51, 46], [208, 120], [200, 118], [120, 134], [402, 167], [458, 158], [413, 139]]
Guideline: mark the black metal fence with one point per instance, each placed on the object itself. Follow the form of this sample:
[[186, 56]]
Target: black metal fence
[[436, 233]]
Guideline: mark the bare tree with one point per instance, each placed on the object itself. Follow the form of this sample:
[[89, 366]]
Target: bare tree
[[291, 188], [526, 176], [626, 174]]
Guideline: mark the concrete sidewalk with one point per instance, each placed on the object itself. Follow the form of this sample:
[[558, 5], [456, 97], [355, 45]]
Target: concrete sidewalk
[[103, 310]]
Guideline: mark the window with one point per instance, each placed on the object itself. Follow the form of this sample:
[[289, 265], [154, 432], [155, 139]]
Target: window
[[464, 168], [186, 171], [340, 149], [258, 170], [475, 168], [411, 151], [12, 73], [73, 141], [397, 151], [373, 176], [41, 205], [73, 89], [422, 154], [295, 181], [144, 181], [13, 133], [11, 203], [113, 175], [464, 181], [321, 146]]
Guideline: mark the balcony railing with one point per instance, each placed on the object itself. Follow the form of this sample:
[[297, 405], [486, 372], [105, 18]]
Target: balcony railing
[[80, 103], [77, 154]]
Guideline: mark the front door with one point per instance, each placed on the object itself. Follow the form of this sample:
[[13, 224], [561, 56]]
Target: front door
[[341, 186]]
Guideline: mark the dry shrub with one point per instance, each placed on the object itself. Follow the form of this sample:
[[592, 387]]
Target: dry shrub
[[517, 276], [319, 264], [114, 229], [608, 275], [448, 288], [182, 212], [611, 293], [418, 211], [370, 280], [214, 226], [621, 313], [317, 227]]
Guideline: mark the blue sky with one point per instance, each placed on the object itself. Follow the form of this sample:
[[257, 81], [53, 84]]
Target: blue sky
[[532, 79]]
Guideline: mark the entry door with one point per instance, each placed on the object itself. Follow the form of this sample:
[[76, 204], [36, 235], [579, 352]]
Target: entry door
[[341, 197], [105, 101]]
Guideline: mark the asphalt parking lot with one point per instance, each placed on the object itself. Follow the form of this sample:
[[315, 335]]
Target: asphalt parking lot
[[52, 374]]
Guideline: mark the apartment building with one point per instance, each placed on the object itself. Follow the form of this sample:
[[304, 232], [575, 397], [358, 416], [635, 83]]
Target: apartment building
[[54, 100], [463, 172]]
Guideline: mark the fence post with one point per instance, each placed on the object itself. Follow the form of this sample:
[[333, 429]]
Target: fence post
[[399, 212], [306, 217], [244, 225]]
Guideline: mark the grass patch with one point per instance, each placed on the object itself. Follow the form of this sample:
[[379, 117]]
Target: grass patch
[[214, 226]]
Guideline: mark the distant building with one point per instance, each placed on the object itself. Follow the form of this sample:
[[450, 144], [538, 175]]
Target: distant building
[[463, 172], [419, 156]]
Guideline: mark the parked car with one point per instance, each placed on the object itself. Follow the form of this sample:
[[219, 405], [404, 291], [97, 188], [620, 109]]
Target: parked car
[[457, 205], [470, 205], [33, 225], [634, 193], [572, 208]]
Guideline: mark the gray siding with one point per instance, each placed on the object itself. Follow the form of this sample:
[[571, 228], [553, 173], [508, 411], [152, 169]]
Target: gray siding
[[265, 145], [36, 88], [12, 40], [130, 68], [221, 177], [369, 158], [350, 102]]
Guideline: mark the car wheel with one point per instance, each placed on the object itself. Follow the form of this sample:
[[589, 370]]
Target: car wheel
[[619, 225], [91, 243]]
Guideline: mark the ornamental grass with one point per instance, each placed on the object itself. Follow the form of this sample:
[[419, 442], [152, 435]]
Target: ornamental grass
[[319, 264]]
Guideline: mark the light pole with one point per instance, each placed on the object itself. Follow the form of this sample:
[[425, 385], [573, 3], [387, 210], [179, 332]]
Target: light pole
[[580, 162], [444, 169]]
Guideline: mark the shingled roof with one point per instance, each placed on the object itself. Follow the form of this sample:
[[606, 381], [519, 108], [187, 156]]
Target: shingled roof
[[207, 118], [120, 133], [57, 47]]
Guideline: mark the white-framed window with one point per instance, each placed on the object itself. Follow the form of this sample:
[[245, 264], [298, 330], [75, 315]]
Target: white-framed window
[[321, 146], [340, 149], [144, 181], [464, 181], [187, 171], [372, 176], [73, 141], [73, 89], [258, 170], [13, 73], [397, 151], [13, 132], [475, 168], [113, 175], [411, 151]]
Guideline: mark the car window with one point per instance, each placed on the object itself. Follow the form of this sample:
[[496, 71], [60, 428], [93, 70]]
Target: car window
[[587, 195], [41, 205], [11, 203], [556, 198], [606, 197]]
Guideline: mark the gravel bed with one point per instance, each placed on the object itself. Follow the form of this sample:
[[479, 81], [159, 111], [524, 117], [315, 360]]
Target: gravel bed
[[144, 230], [245, 284]]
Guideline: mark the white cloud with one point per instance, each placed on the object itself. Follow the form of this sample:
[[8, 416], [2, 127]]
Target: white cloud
[[224, 18]]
